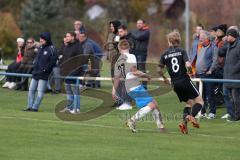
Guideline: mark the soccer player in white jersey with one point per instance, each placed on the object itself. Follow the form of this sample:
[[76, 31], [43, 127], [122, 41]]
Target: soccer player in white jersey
[[126, 68]]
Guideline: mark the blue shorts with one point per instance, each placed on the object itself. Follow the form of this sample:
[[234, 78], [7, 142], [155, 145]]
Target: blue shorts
[[141, 96]]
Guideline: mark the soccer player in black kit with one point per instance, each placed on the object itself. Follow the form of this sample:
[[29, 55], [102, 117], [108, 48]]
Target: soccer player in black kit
[[178, 67]]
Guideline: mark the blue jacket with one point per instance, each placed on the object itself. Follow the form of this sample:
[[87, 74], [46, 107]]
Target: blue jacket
[[97, 49], [206, 59], [45, 60]]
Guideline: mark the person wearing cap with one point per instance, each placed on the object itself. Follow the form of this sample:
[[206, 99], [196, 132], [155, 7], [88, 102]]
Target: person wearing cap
[[42, 68], [226, 91], [232, 71], [217, 69], [11, 80], [220, 33]]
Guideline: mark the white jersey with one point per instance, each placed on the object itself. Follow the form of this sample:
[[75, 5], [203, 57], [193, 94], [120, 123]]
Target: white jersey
[[123, 69]]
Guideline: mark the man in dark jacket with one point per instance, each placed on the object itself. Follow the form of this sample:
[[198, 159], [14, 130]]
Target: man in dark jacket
[[232, 71], [141, 36], [43, 65], [71, 67], [124, 34]]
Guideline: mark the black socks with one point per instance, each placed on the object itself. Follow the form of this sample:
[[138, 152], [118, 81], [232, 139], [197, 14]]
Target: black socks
[[196, 108], [186, 111]]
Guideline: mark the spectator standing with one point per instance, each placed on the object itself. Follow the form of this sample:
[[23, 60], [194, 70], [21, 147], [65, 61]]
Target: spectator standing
[[78, 26], [112, 51], [196, 46], [90, 47], [72, 50], [204, 66], [141, 36], [43, 65], [232, 71]]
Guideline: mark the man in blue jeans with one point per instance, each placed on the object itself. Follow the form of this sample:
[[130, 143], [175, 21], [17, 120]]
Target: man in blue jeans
[[231, 71], [43, 65], [204, 66], [71, 54]]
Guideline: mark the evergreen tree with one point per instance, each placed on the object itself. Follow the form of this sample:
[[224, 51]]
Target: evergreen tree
[[43, 15]]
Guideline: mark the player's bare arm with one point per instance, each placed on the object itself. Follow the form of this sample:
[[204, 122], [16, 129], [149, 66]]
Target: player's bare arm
[[138, 73], [116, 80], [161, 74]]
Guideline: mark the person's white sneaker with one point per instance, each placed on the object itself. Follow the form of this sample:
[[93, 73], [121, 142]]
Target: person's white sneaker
[[226, 116], [124, 106], [211, 116], [6, 84], [74, 111], [12, 85]]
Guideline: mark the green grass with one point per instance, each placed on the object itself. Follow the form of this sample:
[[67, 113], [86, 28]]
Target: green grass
[[42, 136]]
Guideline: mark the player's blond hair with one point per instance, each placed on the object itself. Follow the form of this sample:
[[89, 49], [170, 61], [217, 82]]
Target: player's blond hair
[[174, 38], [123, 45]]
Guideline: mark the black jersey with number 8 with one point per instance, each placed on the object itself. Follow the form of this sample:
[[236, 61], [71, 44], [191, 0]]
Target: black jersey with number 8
[[174, 58]]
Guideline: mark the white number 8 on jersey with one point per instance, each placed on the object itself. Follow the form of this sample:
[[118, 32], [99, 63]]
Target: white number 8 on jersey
[[175, 65]]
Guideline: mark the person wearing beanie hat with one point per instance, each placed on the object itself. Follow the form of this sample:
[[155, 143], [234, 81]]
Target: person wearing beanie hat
[[20, 40], [231, 71], [42, 68], [220, 33], [12, 68], [233, 33]]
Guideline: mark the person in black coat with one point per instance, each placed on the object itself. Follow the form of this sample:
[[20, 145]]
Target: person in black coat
[[141, 36], [232, 71], [71, 66], [42, 68]]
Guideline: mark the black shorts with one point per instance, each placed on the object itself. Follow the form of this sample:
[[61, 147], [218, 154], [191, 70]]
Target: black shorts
[[185, 90]]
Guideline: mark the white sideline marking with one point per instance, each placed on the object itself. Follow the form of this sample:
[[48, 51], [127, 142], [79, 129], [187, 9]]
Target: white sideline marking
[[105, 126]]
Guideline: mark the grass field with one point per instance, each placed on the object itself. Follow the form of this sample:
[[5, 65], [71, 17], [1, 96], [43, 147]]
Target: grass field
[[42, 136]]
